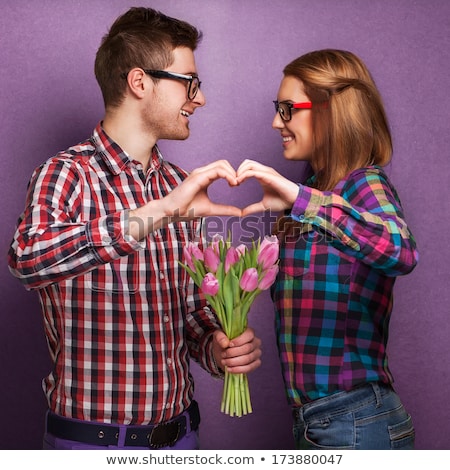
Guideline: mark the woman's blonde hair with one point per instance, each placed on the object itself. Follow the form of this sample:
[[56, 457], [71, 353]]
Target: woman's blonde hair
[[350, 127]]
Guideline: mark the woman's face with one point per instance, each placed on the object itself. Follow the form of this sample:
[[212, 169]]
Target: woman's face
[[296, 133]]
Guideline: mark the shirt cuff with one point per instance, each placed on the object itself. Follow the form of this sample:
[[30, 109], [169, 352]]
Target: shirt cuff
[[211, 363], [307, 205], [108, 238]]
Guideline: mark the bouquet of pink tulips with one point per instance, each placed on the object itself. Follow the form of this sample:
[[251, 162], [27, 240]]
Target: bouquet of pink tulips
[[231, 278]]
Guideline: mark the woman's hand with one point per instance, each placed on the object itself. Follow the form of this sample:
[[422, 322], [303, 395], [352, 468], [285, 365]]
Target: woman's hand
[[279, 192]]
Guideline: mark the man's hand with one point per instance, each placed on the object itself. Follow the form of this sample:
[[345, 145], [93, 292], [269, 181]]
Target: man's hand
[[190, 199], [187, 201], [239, 355]]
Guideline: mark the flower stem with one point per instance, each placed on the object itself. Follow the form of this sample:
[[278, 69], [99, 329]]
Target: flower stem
[[236, 395]]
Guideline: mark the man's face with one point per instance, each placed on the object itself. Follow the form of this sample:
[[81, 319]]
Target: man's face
[[167, 112]]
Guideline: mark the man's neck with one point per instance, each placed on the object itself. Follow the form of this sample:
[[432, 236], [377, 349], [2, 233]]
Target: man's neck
[[129, 135]]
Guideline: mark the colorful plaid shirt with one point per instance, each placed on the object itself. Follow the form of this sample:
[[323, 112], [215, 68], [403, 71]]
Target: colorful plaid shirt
[[333, 296], [122, 318]]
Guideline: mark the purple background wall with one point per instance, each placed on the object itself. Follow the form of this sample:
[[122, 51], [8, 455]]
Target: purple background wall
[[49, 100]]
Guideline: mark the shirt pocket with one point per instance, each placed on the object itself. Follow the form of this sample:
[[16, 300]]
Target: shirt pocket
[[295, 257], [121, 275], [314, 257]]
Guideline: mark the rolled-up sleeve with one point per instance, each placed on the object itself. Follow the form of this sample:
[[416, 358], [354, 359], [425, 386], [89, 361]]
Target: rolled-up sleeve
[[52, 242], [365, 220]]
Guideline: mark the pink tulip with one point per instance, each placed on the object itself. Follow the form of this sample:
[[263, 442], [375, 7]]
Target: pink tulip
[[210, 284], [212, 259], [192, 250], [249, 280], [231, 257], [268, 277], [216, 241], [269, 252], [195, 251], [188, 258], [241, 249]]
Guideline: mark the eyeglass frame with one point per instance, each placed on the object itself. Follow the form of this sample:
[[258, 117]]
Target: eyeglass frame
[[290, 106], [177, 76], [174, 76]]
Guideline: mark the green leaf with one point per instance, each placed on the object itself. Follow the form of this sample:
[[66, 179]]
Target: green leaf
[[195, 276], [228, 300], [199, 266]]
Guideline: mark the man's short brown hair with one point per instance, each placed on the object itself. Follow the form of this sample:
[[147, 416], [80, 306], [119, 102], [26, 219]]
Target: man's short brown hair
[[141, 37]]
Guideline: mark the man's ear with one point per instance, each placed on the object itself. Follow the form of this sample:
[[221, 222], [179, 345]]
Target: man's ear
[[138, 82]]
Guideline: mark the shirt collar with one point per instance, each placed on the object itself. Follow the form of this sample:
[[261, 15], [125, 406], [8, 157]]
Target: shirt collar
[[115, 158]]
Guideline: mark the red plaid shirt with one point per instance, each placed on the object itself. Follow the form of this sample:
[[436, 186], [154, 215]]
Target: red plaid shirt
[[121, 317]]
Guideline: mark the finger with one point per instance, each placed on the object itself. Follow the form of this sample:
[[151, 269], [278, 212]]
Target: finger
[[248, 164], [222, 339], [245, 352], [220, 172], [245, 343], [220, 163], [252, 166], [264, 175], [224, 210], [247, 336], [244, 369], [253, 209], [206, 176], [218, 169], [243, 362]]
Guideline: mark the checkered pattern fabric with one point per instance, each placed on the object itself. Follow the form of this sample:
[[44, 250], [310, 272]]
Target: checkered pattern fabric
[[121, 317], [333, 296]]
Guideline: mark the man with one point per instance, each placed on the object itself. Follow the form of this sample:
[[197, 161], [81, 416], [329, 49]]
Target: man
[[100, 239]]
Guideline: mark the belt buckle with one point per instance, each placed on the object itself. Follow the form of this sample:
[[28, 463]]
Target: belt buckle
[[164, 435]]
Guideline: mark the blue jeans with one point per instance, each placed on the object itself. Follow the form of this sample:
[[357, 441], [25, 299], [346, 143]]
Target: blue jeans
[[367, 417]]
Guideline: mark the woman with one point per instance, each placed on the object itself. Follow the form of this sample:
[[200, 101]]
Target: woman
[[344, 241]]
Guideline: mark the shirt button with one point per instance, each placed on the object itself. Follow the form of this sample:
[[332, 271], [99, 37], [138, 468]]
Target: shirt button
[[169, 361], [106, 239], [168, 406], [161, 275], [166, 318]]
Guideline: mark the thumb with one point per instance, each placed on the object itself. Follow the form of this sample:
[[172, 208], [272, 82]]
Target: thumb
[[225, 210], [253, 208], [221, 339]]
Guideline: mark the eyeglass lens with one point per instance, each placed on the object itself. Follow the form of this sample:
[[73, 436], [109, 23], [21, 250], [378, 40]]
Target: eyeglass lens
[[194, 86], [284, 110]]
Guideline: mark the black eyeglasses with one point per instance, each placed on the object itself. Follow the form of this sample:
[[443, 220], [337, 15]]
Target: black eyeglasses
[[194, 82], [284, 108]]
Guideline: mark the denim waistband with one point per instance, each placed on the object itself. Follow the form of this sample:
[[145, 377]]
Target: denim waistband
[[343, 400]]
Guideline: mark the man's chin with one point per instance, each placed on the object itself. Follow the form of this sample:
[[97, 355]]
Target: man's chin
[[178, 136]]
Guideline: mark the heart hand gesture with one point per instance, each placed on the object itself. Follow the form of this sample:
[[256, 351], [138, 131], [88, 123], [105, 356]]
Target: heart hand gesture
[[279, 192]]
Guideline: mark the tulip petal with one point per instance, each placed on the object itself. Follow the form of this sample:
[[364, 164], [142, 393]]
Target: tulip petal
[[249, 280], [210, 284]]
